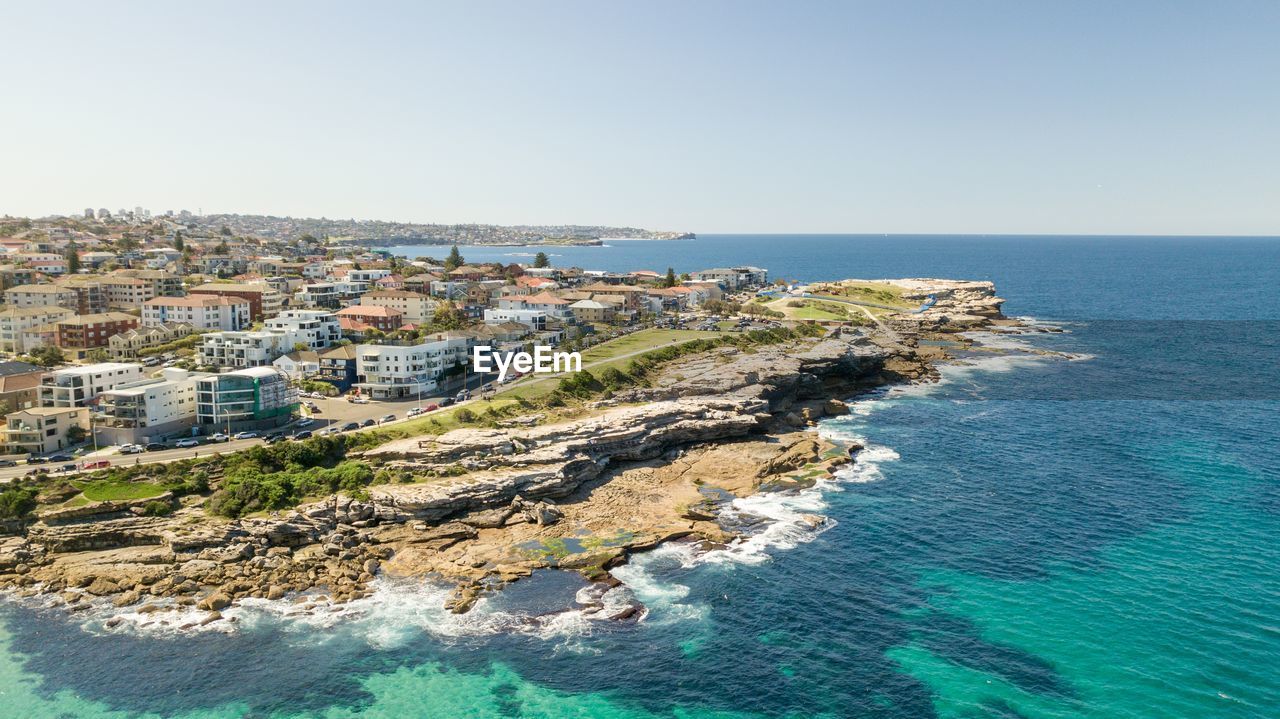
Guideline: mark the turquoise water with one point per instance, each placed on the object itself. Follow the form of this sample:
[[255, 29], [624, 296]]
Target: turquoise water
[[1029, 538]]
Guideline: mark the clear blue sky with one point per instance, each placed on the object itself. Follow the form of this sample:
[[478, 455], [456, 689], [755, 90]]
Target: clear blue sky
[[975, 117]]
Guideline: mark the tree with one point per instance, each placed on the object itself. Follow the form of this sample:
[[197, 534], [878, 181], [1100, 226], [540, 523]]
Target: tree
[[454, 260], [670, 281], [447, 317], [73, 259], [97, 355], [76, 434], [48, 356], [301, 347], [222, 248], [225, 231], [541, 260], [178, 243]]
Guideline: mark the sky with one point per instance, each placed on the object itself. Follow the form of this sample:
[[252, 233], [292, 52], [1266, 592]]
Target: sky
[[977, 117]]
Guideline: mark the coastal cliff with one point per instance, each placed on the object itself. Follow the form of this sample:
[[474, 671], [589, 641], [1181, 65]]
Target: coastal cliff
[[482, 507]]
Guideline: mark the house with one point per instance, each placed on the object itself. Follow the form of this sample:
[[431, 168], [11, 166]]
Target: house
[[203, 312], [19, 386], [125, 346], [40, 430], [379, 317], [245, 399], [78, 386], [16, 321], [148, 410], [298, 365], [338, 367]]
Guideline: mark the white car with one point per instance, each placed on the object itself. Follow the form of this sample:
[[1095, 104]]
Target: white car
[[245, 435], [131, 449], [188, 442], [219, 437]]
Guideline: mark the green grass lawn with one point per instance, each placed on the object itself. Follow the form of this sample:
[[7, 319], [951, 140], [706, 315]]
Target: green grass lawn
[[101, 490], [814, 310]]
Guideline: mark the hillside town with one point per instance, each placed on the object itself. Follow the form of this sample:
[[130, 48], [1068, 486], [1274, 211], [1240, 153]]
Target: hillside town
[[126, 332]]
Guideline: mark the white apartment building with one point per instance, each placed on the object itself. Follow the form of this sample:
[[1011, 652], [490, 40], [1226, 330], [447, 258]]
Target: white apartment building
[[317, 329], [76, 386], [416, 308], [202, 312], [148, 410], [387, 371], [41, 296], [15, 321], [535, 320], [243, 349]]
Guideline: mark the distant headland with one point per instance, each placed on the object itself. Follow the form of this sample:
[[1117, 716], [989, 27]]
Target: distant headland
[[383, 233]]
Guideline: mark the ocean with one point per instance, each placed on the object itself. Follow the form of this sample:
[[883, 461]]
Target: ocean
[[1033, 536]]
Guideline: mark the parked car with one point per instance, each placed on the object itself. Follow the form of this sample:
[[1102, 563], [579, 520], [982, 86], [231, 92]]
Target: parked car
[[245, 435], [414, 412], [156, 446], [369, 422], [61, 457], [304, 434], [431, 407], [446, 401], [462, 396], [36, 460], [131, 448], [188, 442], [218, 437], [38, 471], [349, 426], [97, 464], [358, 400], [273, 438], [68, 468], [388, 418], [305, 422], [8, 463]]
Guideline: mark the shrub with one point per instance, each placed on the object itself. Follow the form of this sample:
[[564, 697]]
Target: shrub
[[17, 502], [157, 509]]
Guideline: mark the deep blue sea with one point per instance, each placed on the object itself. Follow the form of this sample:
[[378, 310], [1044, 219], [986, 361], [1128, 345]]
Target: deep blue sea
[[1031, 537]]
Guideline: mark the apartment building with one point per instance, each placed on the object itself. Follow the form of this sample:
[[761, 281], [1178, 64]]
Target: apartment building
[[317, 329], [535, 320], [77, 386], [85, 332], [414, 308], [391, 370], [379, 317], [15, 322], [203, 312], [42, 296], [40, 430], [91, 297], [264, 301], [338, 367], [252, 398], [148, 410], [19, 386]]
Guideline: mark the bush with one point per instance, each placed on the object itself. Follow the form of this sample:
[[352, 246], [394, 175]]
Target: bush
[[464, 415], [17, 502], [157, 509]]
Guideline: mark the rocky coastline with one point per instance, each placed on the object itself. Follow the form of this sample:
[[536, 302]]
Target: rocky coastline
[[480, 508]]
